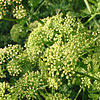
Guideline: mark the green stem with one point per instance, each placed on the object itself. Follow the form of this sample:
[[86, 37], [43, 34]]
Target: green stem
[[38, 19], [93, 2], [9, 19], [39, 6], [90, 18], [87, 5], [95, 21], [89, 9], [46, 91], [78, 93], [87, 75], [53, 92], [38, 96], [42, 94], [83, 97]]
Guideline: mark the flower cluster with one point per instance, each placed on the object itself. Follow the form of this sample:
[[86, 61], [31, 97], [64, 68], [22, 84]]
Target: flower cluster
[[55, 28], [57, 65], [14, 67], [14, 64], [28, 85], [20, 65], [7, 54], [65, 51], [4, 87], [59, 45], [57, 96], [19, 11], [3, 8], [15, 6]]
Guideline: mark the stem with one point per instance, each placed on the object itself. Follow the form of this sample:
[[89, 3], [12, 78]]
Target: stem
[[46, 91], [40, 6], [93, 2], [89, 9], [9, 19], [53, 92], [83, 97], [42, 94], [78, 93], [90, 18], [87, 75], [95, 21], [87, 5], [38, 96], [38, 19]]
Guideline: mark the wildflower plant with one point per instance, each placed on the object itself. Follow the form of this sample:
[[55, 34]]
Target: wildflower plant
[[61, 46], [59, 61]]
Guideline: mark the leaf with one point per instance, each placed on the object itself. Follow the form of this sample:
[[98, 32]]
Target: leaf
[[38, 19], [34, 3], [93, 2]]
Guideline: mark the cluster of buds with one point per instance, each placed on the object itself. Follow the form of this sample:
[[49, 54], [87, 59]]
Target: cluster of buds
[[15, 6], [28, 85], [19, 12], [7, 54], [57, 96]]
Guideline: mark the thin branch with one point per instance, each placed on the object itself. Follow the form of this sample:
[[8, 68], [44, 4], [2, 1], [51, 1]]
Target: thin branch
[[78, 93], [94, 78], [89, 9], [10, 19]]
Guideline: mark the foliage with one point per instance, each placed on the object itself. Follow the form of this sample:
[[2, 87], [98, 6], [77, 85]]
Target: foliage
[[5, 40], [18, 33]]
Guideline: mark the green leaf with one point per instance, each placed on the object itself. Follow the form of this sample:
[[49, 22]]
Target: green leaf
[[93, 2], [33, 3]]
